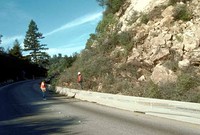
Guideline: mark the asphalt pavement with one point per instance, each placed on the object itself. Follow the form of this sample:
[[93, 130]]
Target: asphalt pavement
[[23, 111]]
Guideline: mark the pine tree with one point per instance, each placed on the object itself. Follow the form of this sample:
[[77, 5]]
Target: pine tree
[[32, 44], [0, 38], [1, 48], [16, 50]]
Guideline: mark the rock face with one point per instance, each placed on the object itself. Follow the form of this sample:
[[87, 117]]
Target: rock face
[[138, 6], [163, 37]]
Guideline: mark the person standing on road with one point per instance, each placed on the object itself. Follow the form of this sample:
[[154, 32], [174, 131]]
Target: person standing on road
[[80, 79], [43, 88]]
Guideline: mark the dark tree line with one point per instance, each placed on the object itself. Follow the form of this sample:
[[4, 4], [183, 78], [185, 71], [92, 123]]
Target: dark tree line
[[58, 64], [15, 66]]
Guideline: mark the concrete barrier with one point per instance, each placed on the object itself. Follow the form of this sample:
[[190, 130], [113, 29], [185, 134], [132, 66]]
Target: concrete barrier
[[181, 111]]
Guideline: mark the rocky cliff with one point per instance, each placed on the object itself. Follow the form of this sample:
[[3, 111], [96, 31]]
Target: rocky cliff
[[146, 48], [164, 37]]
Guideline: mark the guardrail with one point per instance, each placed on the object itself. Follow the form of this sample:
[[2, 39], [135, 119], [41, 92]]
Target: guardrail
[[181, 111]]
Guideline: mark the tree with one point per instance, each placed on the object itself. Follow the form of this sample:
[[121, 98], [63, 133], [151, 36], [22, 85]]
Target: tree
[[32, 44], [102, 3], [44, 60], [0, 38], [1, 48], [16, 50], [112, 6]]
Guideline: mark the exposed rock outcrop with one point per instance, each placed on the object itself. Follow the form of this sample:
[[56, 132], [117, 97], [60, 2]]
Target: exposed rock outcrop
[[163, 37]]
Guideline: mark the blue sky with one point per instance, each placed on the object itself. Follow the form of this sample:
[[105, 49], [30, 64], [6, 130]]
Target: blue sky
[[66, 24]]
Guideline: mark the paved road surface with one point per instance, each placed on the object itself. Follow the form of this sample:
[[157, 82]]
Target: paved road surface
[[24, 112]]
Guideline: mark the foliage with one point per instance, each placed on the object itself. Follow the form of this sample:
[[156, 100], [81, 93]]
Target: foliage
[[91, 40], [104, 25], [124, 37], [120, 85], [15, 68], [144, 18], [0, 38], [102, 3], [153, 90], [182, 13], [91, 65], [112, 6], [185, 82], [156, 12], [185, 89], [126, 40], [2, 50], [174, 2], [88, 64], [171, 64], [58, 64], [153, 14], [104, 66], [179, 38], [167, 91], [193, 95], [16, 50], [128, 68], [105, 69], [133, 18], [33, 46]]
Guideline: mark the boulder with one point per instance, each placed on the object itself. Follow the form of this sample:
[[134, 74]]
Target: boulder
[[184, 64], [162, 75], [168, 12], [190, 41]]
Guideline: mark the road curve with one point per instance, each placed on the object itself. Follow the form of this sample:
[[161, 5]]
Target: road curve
[[24, 112]]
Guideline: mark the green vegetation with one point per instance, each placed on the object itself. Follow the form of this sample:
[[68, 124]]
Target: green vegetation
[[134, 18], [18, 67], [153, 14], [171, 64], [0, 38], [112, 6], [106, 23], [16, 51], [57, 65], [153, 90], [156, 12], [32, 45], [174, 2], [186, 82], [144, 18], [182, 13], [185, 89], [103, 63], [90, 41], [178, 38]]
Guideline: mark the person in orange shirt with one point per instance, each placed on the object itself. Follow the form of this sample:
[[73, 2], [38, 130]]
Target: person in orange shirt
[[80, 79], [43, 88]]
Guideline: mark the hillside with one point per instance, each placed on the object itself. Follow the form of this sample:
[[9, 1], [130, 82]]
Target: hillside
[[148, 48]]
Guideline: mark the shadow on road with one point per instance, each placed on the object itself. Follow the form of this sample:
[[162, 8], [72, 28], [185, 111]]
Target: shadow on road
[[26, 126], [23, 112]]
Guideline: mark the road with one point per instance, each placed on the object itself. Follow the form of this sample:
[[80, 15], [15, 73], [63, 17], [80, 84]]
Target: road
[[24, 112]]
